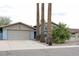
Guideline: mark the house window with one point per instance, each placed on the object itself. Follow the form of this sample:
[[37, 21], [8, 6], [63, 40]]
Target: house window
[[45, 35], [0, 30], [72, 35], [45, 28]]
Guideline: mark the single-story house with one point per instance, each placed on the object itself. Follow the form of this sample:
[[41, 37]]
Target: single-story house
[[16, 31], [73, 32]]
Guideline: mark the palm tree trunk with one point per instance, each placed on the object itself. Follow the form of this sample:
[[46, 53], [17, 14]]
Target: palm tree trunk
[[42, 39], [49, 39], [37, 30]]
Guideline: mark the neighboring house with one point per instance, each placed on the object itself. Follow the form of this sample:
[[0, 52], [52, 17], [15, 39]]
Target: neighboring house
[[73, 32], [17, 31]]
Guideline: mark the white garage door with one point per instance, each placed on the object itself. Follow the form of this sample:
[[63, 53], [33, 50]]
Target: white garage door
[[18, 35]]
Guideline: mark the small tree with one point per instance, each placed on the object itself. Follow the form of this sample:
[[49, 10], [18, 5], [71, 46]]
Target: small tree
[[4, 21], [60, 33]]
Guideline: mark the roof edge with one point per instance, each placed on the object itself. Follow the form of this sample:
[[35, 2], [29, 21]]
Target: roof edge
[[15, 24]]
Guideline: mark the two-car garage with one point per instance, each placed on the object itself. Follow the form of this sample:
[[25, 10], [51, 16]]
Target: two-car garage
[[18, 31], [18, 35]]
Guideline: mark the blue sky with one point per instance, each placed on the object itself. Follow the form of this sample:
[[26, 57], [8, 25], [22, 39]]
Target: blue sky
[[66, 11]]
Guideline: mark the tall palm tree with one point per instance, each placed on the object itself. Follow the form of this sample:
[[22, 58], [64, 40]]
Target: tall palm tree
[[49, 24], [37, 30], [42, 39]]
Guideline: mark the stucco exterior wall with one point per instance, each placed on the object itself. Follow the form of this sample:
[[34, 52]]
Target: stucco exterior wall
[[32, 35], [0, 36], [4, 34]]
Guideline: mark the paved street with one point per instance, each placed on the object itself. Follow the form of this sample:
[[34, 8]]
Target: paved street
[[44, 52]]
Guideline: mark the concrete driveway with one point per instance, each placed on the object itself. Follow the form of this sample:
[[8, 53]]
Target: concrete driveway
[[6, 45]]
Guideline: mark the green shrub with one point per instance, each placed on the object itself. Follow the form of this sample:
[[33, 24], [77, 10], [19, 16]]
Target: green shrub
[[60, 33]]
